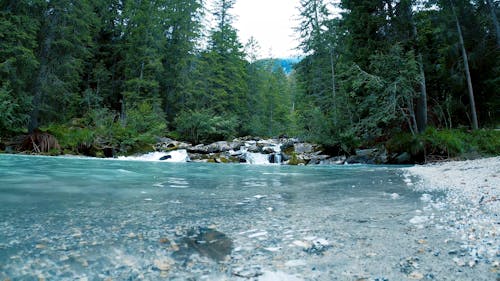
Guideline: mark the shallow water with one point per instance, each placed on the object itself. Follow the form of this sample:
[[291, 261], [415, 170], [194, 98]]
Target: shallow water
[[94, 219]]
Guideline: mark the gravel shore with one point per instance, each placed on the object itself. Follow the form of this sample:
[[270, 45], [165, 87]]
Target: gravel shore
[[470, 207]]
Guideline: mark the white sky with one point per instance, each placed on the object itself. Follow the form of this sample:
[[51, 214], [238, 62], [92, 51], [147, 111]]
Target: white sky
[[271, 23]]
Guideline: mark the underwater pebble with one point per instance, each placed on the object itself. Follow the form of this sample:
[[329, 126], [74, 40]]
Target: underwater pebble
[[416, 276], [395, 196], [258, 234], [163, 264]]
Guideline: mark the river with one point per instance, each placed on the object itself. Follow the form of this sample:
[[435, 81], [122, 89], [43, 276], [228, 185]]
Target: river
[[68, 218]]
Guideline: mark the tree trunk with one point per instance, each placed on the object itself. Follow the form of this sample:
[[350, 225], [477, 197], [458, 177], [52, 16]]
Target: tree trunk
[[495, 20], [41, 78], [123, 111], [421, 110], [475, 124], [334, 93]]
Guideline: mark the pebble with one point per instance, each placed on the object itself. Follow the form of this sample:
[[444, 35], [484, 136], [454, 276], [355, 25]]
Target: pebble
[[164, 240], [163, 264], [302, 244], [258, 234], [295, 263], [395, 196], [416, 275], [459, 262]]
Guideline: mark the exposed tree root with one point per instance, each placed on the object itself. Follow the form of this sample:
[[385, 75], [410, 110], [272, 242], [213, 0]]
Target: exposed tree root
[[40, 142]]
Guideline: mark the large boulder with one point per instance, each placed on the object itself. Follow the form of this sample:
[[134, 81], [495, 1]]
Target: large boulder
[[403, 158], [369, 156], [301, 148], [198, 149], [216, 147], [316, 159], [337, 160], [167, 144], [223, 146]]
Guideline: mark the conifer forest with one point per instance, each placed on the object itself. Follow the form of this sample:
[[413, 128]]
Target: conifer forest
[[120, 73]]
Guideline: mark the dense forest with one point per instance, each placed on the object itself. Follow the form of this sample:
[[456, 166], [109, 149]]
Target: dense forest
[[119, 73]]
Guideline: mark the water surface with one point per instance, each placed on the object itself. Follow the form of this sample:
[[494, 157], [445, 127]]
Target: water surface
[[94, 219]]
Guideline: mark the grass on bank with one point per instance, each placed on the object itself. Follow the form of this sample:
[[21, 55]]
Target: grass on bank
[[446, 144]]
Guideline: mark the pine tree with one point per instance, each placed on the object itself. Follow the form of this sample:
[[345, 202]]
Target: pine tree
[[183, 31], [226, 73], [142, 57], [64, 38], [18, 30]]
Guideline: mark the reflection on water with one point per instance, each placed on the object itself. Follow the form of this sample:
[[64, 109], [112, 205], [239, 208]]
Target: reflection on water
[[91, 219]]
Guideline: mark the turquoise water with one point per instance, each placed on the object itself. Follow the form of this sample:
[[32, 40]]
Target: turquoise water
[[94, 219]]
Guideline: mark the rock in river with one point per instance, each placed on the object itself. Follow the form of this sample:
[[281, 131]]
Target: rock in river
[[206, 242]]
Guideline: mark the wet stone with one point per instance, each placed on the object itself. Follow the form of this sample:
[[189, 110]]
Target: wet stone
[[163, 264], [251, 272], [206, 242]]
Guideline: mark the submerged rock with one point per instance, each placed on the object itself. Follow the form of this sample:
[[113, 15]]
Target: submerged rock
[[206, 242]]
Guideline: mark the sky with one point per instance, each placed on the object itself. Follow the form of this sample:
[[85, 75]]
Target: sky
[[271, 23]]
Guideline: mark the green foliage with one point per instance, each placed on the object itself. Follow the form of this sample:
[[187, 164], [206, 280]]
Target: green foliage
[[101, 128], [13, 111], [487, 142], [447, 143], [70, 138], [144, 119], [203, 126], [144, 124]]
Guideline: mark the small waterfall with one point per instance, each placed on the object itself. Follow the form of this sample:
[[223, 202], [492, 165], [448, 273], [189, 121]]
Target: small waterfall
[[275, 158], [257, 158]]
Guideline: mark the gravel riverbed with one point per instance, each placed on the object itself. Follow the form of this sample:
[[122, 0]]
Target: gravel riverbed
[[470, 208]]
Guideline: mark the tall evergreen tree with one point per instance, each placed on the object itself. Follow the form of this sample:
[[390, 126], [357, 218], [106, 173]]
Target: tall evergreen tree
[[18, 30], [183, 32], [142, 62], [64, 37], [226, 73]]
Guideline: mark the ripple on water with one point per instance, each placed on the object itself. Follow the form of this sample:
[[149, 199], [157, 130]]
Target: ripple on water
[[314, 231]]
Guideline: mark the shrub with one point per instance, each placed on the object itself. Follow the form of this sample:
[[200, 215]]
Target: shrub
[[13, 111], [199, 126], [447, 143]]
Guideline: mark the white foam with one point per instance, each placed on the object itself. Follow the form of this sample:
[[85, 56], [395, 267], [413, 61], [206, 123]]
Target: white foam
[[177, 156], [277, 276], [257, 158], [419, 219]]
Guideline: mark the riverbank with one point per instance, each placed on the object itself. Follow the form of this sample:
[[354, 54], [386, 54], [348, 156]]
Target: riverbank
[[431, 146], [470, 207]]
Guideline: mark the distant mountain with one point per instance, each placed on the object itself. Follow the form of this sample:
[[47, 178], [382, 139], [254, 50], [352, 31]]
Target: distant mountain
[[286, 64]]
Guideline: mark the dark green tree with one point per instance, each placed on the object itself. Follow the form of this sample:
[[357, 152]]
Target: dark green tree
[[225, 65], [64, 38], [183, 32], [18, 41]]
